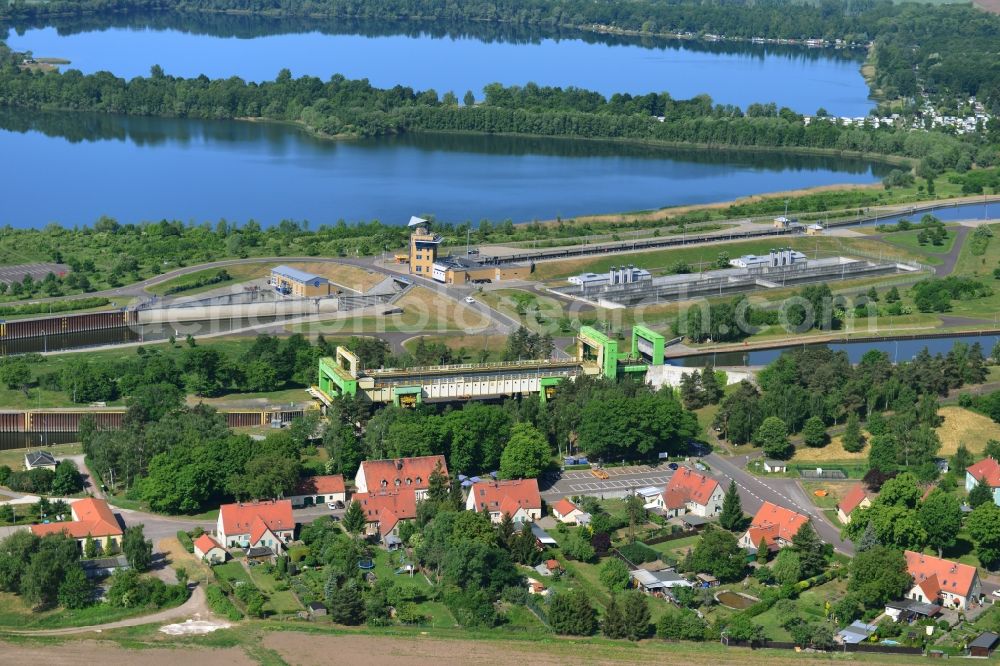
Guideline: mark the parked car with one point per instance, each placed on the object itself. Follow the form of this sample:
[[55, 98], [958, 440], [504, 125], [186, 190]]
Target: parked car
[[470, 299], [673, 466], [599, 473], [335, 505]]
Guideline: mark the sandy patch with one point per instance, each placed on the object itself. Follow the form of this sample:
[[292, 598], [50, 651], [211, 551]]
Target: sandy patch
[[109, 654], [193, 628]]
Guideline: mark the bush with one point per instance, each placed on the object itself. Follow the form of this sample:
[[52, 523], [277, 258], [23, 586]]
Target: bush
[[185, 540], [515, 595], [638, 552], [220, 604]]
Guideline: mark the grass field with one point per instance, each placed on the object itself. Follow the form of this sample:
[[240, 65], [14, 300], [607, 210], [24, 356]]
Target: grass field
[[908, 240], [835, 491], [345, 275], [15, 614], [962, 426], [834, 451], [14, 458]]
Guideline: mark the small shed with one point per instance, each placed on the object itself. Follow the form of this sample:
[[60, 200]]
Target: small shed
[[541, 536], [39, 460], [316, 608], [984, 644], [707, 580], [814, 230], [908, 610], [856, 632], [693, 522], [774, 466], [392, 542]]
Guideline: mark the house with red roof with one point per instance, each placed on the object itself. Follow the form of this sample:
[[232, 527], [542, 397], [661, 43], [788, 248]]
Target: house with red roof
[[206, 548], [318, 490], [397, 474], [690, 492], [519, 498], [386, 510], [91, 517], [253, 525], [774, 525], [986, 472], [940, 581], [566, 512], [858, 497]]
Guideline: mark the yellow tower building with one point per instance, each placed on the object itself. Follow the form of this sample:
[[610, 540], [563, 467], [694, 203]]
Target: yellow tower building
[[423, 247]]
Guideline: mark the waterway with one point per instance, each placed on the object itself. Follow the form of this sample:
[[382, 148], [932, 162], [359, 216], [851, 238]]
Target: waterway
[[71, 168], [455, 58], [898, 350], [141, 333]]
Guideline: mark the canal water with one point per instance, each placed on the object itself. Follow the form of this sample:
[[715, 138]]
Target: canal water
[[898, 350], [137, 169], [458, 58]]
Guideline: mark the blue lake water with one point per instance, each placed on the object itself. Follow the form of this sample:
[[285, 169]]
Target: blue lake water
[[71, 168], [800, 78]]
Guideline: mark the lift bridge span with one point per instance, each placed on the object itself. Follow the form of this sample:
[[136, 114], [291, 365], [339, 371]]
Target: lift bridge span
[[596, 354]]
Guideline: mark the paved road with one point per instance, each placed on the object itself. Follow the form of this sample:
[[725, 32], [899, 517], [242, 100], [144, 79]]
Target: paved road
[[787, 493]]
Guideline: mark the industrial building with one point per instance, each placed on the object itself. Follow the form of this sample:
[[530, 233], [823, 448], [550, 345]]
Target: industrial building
[[293, 282], [449, 269], [616, 275], [780, 268]]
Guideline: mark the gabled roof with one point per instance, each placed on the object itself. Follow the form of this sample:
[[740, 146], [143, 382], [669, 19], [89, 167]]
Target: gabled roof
[[674, 499], [206, 542], [692, 486], [387, 507], [934, 574], [91, 517], [986, 471], [39, 459], [246, 518], [401, 472], [855, 496], [773, 522], [328, 484], [506, 496], [564, 507]]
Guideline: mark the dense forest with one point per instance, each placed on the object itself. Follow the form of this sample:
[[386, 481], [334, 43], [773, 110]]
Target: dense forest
[[946, 44], [341, 106]]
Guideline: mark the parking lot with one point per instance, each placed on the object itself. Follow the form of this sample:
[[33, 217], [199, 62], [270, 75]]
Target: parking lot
[[36, 271], [620, 482]]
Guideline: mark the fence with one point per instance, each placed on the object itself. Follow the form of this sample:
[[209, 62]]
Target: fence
[[859, 647]]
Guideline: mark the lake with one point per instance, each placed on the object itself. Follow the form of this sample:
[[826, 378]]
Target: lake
[[455, 59], [72, 168]]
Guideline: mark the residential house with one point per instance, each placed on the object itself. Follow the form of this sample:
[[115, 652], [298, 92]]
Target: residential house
[[567, 512], [92, 518], [691, 492], [986, 472], [208, 549], [940, 581], [858, 497], [519, 498], [388, 475], [39, 460], [255, 525], [318, 490], [909, 610], [385, 510], [774, 525]]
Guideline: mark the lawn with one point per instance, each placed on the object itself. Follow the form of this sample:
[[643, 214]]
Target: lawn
[[470, 346], [981, 265], [908, 240], [233, 572], [677, 549], [237, 273], [279, 602], [832, 452], [833, 491]]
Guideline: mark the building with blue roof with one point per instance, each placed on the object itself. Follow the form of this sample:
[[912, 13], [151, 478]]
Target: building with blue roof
[[293, 282]]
